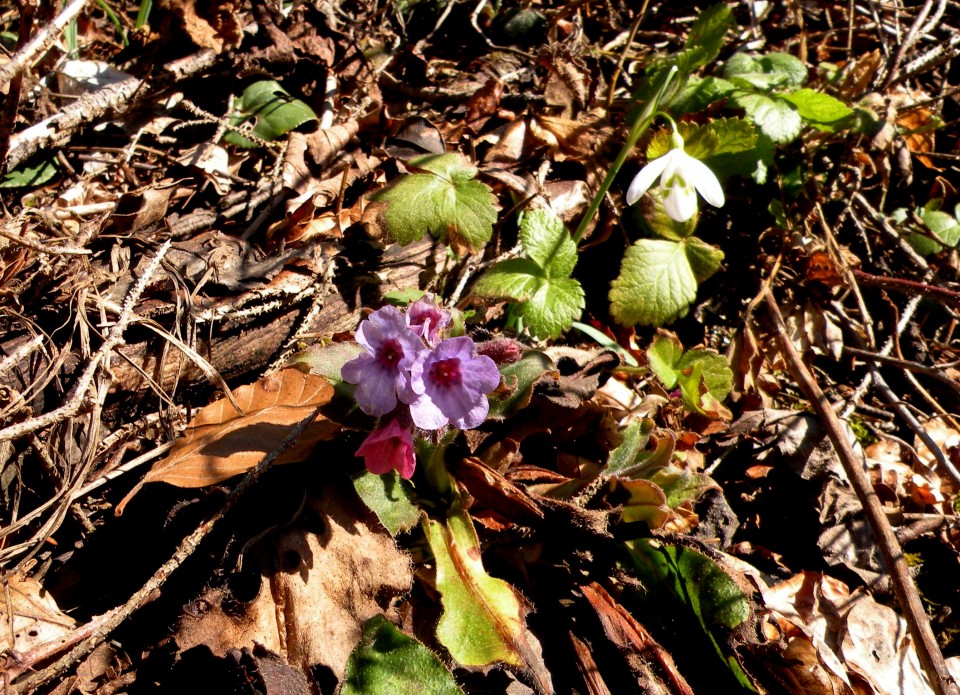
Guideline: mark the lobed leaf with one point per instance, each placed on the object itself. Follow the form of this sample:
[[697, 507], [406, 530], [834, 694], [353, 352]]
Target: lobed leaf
[[546, 240], [777, 118], [445, 201]]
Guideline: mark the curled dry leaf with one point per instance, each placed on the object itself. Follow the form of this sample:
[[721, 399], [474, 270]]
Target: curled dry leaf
[[29, 615], [221, 443]]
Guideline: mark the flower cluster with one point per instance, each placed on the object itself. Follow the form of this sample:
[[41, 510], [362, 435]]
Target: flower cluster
[[417, 378]]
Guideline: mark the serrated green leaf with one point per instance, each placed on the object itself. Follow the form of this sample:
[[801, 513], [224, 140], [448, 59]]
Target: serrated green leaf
[[30, 176], [662, 356], [548, 243], [716, 373], [273, 111], [656, 284], [661, 224], [553, 308], [390, 497], [445, 201], [767, 71], [519, 379], [777, 118], [548, 306], [717, 137], [707, 34], [388, 662], [697, 93], [517, 279], [483, 617], [820, 110], [754, 162]]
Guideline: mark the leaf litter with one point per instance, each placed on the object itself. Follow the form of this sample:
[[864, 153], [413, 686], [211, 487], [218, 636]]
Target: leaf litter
[[197, 215]]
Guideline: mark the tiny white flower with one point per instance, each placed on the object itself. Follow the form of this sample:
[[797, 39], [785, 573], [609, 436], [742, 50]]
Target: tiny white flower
[[679, 175]]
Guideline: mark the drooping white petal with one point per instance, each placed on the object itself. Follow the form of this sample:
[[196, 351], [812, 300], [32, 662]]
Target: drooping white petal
[[681, 203], [704, 180], [645, 178]]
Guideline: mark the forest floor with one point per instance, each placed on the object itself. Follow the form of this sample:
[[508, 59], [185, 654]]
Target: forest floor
[[723, 454]]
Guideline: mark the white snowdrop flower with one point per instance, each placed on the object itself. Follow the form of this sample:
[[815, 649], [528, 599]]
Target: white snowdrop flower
[[681, 176]]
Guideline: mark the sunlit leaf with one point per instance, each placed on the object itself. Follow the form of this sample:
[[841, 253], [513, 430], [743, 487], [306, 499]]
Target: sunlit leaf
[[444, 200], [30, 176], [483, 617], [391, 498], [272, 112], [388, 662]]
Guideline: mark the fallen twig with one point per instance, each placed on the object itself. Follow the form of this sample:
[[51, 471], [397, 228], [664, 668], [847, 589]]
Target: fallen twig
[[39, 43], [917, 621]]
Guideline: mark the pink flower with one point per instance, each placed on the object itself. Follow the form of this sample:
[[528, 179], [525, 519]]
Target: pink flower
[[384, 371], [389, 448], [451, 383], [426, 319]]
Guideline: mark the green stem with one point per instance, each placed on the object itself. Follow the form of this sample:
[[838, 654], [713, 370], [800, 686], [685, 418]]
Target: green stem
[[640, 127]]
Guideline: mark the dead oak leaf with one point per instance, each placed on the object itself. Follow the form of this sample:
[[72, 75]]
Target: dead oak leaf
[[221, 442]]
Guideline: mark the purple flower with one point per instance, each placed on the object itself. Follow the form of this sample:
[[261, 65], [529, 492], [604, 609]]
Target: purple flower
[[389, 448], [426, 319], [451, 383], [385, 371]]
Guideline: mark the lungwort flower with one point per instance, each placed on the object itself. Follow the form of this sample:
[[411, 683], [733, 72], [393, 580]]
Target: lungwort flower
[[384, 371], [389, 448], [452, 382], [681, 176]]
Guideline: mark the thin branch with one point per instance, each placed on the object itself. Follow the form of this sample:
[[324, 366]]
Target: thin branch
[[919, 624], [40, 43]]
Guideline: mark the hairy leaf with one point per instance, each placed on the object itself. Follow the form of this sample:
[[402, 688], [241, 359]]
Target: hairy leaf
[[483, 617], [386, 662], [444, 200], [519, 379], [391, 498]]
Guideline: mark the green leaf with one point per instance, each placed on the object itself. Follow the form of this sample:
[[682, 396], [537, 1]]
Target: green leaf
[[682, 485], [483, 617], [519, 379], [707, 35], [701, 374], [388, 662], [30, 176], [777, 118], [547, 306], [445, 200], [719, 136], [636, 436], [391, 498], [658, 280], [272, 110], [663, 356], [645, 502], [698, 93], [700, 584], [548, 243], [943, 225], [328, 361], [767, 71], [820, 110], [712, 369], [516, 278], [754, 162]]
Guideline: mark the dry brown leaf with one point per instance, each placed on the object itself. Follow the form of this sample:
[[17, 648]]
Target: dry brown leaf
[[29, 615], [918, 127], [315, 594], [221, 443]]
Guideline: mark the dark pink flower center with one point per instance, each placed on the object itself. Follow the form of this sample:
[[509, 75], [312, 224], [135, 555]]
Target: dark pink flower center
[[389, 354], [446, 373]]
